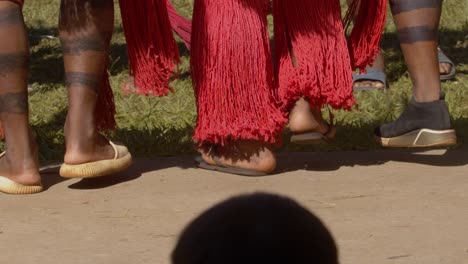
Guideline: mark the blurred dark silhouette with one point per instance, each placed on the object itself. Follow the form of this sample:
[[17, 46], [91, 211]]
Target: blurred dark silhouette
[[258, 228]]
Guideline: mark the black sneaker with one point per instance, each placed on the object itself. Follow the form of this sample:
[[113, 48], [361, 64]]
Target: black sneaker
[[420, 125]]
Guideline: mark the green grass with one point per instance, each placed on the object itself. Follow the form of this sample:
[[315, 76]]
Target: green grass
[[163, 126]]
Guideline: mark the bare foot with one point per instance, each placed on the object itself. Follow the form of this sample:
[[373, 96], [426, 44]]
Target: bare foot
[[445, 68], [128, 87], [303, 119], [21, 167], [247, 154], [95, 149], [378, 64], [368, 83]]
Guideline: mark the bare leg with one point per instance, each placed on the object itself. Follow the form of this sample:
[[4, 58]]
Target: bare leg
[[417, 23], [85, 31], [426, 120], [304, 118], [20, 163], [379, 63]]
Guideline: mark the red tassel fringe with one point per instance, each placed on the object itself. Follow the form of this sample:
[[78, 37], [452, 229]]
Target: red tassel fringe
[[181, 25], [312, 30], [105, 107], [233, 79], [368, 17], [2, 135], [152, 49], [232, 73]]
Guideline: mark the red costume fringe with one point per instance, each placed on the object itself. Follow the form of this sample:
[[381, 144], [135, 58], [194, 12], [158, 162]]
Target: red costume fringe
[[105, 107], [232, 73], [230, 61], [311, 53], [152, 49], [368, 18], [181, 25]]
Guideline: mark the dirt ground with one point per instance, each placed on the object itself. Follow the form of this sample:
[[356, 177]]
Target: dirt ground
[[382, 207]]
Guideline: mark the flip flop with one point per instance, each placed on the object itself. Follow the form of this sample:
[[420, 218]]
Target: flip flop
[[10, 187], [121, 161], [314, 138], [444, 59], [371, 75], [220, 167]]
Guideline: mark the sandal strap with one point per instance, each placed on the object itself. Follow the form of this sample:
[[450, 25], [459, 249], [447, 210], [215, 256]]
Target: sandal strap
[[371, 75], [443, 58], [116, 150]]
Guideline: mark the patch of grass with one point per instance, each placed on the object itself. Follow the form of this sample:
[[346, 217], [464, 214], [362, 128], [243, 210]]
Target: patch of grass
[[163, 126]]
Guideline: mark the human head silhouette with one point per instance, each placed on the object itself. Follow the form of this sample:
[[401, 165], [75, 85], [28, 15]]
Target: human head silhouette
[[257, 228]]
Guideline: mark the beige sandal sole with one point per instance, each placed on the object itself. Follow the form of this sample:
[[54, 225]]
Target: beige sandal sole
[[98, 168], [10, 187]]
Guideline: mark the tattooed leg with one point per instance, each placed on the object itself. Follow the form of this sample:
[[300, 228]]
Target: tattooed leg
[[401, 6], [406, 6], [426, 120], [85, 31], [417, 23], [20, 163]]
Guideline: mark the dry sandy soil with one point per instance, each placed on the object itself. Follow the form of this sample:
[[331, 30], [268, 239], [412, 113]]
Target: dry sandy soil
[[382, 207]]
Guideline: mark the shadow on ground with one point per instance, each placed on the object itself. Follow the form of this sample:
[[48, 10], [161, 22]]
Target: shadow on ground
[[287, 162], [332, 161], [50, 172]]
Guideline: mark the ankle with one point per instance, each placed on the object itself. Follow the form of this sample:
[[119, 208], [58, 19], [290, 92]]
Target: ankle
[[75, 156], [435, 112], [257, 155], [267, 163], [302, 121], [427, 95], [303, 124], [21, 170], [80, 138], [95, 148], [248, 154]]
